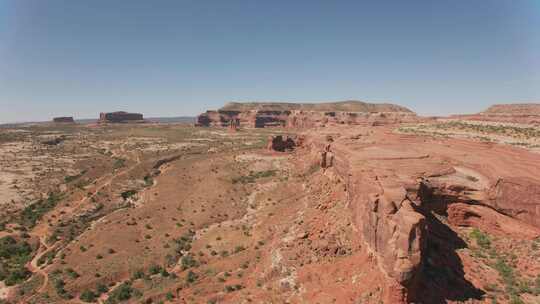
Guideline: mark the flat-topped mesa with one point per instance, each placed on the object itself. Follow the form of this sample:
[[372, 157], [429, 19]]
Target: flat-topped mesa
[[522, 113], [63, 119], [261, 115], [514, 109], [120, 117]]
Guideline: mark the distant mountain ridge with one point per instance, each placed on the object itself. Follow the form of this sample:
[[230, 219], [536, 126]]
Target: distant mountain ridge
[[340, 106]]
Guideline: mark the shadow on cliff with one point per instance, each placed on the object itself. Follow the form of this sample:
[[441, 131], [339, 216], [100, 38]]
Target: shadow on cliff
[[442, 278]]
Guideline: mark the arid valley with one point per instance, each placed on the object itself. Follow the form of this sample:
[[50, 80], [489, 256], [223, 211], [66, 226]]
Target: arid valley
[[274, 203]]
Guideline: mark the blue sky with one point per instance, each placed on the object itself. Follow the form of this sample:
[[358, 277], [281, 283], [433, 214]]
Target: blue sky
[[170, 58]]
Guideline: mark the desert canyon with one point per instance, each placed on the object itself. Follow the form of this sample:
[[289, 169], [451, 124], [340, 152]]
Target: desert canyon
[[340, 202]]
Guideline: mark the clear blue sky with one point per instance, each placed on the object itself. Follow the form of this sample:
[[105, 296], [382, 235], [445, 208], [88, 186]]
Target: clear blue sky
[[169, 58]]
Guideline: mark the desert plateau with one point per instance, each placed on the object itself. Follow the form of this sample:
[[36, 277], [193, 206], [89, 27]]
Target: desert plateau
[[344, 202]]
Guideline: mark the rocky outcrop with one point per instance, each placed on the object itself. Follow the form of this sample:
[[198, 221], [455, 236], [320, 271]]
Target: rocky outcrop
[[260, 115], [64, 119], [233, 125], [405, 200], [120, 117], [280, 143]]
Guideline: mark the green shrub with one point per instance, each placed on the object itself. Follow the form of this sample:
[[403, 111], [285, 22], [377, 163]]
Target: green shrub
[[164, 273], [481, 238], [188, 261], [13, 257], [72, 273], [239, 248], [17, 276], [231, 288], [155, 269], [123, 292], [119, 163], [102, 288], [127, 194], [191, 277], [139, 274], [35, 211], [59, 285], [88, 296]]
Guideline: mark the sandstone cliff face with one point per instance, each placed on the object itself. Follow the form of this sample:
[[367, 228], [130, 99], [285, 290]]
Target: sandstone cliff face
[[260, 115], [405, 200]]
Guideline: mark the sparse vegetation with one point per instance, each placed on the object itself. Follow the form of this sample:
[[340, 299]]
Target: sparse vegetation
[[127, 194], [481, 238], [253, 176], [232, 288], [189, 261], [13, 257], [31, 214], [122, 293], [191, 277], [119, 163], [88, 296]]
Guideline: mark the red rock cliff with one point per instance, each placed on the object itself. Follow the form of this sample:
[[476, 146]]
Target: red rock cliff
[[400, 187]]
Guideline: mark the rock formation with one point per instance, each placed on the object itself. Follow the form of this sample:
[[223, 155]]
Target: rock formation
[[280, 144], [64, 119], [398, 197], [120, 117], [524, 113], [233, 125], [260, 115]]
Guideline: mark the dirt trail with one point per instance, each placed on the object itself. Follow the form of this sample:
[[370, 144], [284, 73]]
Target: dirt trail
[[42, 230], [33, 265]]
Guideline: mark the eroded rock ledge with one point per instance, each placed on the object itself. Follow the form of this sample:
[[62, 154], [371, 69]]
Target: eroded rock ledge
[[404, 201]]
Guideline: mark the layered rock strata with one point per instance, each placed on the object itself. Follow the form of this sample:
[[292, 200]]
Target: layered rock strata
[[260, 115]]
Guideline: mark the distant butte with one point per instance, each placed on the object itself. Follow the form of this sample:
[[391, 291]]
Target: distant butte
[[274, 114], [120, 117], [63, 119]]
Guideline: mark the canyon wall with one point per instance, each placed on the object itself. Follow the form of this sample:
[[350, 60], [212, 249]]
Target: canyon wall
[[405, 202]]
